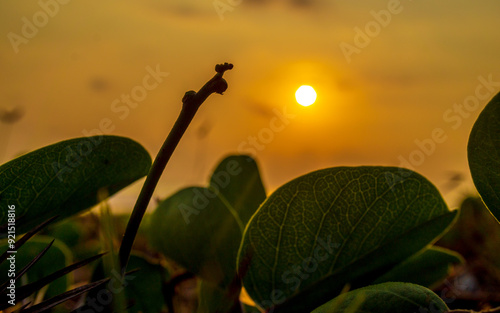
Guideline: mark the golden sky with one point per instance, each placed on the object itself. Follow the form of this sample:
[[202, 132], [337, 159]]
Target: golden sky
[[396, 80]]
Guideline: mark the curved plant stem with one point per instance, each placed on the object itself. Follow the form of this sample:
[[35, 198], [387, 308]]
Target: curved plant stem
[[190, 104]]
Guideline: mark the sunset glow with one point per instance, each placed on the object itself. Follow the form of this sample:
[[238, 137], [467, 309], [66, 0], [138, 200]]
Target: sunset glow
[[305, 95]]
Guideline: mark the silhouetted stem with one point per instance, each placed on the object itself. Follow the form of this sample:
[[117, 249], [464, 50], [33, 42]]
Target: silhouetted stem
[[190, 104]]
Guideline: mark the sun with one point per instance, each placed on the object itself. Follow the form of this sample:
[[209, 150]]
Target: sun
[[305, 95]]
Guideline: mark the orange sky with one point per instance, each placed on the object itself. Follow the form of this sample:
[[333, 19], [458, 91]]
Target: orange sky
[[389, 75]]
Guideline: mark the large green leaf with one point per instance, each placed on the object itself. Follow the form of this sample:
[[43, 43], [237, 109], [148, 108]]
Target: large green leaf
[[65, 178], [57, 257], [426, 268], [385, 298], [484, 155], [201, 228], [336, 226]]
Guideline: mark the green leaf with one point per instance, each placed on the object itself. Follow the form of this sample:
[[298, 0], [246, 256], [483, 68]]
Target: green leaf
[[426, 268], [65, 178], [68, 231], [337, 226], [57, 257], [141, 289], [201, 228], [484, 155], [144, 287], [385, 298]]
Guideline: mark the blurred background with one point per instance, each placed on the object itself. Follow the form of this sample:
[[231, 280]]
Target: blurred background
[[398, 82]]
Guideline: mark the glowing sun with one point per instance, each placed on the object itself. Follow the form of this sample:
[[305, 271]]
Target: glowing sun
[[305, 95]]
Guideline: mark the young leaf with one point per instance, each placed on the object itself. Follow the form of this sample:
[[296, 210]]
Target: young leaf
[[201, 228], [483, 151], [145, 289], [426, 268], [386, 298], [337, 226], [64, 178]]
